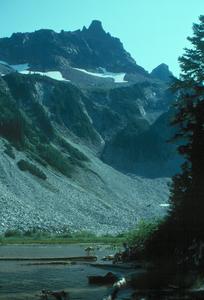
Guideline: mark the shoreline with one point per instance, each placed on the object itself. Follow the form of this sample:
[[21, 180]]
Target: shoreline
[[60, 241], [36, 237]]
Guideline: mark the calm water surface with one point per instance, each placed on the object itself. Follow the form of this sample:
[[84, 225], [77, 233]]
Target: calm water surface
[[21, 280]]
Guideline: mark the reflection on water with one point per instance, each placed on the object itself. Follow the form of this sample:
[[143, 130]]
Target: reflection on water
[[20, 280], [46, 250]]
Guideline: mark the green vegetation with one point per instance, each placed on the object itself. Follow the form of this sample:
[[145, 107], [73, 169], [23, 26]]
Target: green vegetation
[[141, 234], [74, 152], [127, 97], [184, 225], [36, 236], [136, 237], [26, 123], [9, 150], [55, 159], [188, 189], [12, 233], [37, 158], [11, 120], [34, 170], [23, 92], [68, 110]]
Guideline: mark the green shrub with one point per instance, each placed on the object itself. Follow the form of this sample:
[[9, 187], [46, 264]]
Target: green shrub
[[11, 120], [37, 158], [27, 166], [36, 233], [74, 152], [142, 233], [55, 159], [9, 150], [84, 234], [12, 233], [28, 233]]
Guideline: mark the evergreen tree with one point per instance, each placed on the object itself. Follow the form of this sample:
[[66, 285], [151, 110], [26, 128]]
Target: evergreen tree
[[185, 221], [187, 194]]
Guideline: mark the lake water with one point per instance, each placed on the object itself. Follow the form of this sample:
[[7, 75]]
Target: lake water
[[21, 280], [24, 280]]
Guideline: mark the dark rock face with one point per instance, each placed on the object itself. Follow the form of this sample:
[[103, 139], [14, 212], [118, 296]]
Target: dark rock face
[[126, 107], [112, 121], [111, 110], [132, 143], [5, 69], [127, 125], [143, 149], [95, 28], [162, 73], [45, 101], [88, 48]]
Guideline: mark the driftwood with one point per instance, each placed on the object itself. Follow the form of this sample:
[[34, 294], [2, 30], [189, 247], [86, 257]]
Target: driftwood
[[117, 266], [70, 258], [50, 263]]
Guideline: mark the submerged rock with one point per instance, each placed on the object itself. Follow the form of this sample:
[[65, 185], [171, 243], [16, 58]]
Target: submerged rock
[[54, 295], [109, 278]]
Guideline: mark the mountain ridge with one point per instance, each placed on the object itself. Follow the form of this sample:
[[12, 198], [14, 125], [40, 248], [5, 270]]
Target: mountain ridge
[[64, 136], [45, 49]]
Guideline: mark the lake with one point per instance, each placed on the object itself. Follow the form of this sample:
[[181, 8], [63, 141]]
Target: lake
[[22, 280]]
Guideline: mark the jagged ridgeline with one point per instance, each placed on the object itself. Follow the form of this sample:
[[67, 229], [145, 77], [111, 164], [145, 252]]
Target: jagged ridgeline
[[83, 130], [88, 48]]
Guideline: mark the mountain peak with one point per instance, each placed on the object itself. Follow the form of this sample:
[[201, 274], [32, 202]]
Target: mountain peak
[[162, 72], [96, 26]]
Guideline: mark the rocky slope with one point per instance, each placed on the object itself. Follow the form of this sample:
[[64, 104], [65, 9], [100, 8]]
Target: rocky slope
[[96, 198], [51, 177], [77, 116]]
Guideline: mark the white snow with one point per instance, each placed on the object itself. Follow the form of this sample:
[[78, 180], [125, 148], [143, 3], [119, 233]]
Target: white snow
[[18, 68], [52, 74], [118, 77], [164, 204], [21, 67]]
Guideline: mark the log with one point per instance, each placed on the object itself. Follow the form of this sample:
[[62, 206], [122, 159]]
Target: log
[[70, 258]]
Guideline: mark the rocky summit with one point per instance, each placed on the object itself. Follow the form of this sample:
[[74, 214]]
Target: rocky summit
[[162, 72], [83, 133], [89, 48]]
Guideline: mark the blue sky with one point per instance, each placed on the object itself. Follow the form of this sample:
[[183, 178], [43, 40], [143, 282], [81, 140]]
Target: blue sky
[[153, 31]]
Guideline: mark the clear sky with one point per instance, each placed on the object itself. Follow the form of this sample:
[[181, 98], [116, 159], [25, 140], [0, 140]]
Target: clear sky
[[153, 31]]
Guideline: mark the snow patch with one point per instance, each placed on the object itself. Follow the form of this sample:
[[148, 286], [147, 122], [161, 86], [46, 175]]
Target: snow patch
[[164, 205], [21, 67], [117, 77], [18, 68], [52, 74]]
